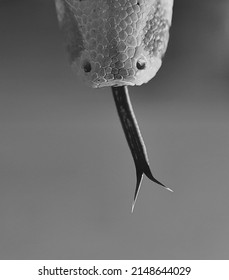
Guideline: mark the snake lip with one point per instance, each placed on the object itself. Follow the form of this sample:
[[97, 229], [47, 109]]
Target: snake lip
[[113, 83]]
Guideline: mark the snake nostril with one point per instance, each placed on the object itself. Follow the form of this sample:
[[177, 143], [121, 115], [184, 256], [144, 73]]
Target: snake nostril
[[141, 64], [87, 66]]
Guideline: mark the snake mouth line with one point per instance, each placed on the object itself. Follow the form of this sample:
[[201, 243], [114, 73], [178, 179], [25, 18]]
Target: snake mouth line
[[113, 83]]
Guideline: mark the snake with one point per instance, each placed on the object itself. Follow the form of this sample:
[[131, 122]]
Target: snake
[[118, 43]]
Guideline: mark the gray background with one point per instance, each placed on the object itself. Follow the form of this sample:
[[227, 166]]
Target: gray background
[[66, 174]]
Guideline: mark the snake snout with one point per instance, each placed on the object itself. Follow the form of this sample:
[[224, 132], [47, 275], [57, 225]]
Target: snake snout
[[115, 42]]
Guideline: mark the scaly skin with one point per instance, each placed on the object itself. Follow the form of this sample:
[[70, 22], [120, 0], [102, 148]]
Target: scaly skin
[[118, 43], [115, 42]]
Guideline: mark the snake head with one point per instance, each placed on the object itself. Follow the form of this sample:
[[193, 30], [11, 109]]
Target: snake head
[[115, 42]]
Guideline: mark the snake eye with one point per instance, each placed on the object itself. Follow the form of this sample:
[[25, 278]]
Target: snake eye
[[87, 66], [141, 64]]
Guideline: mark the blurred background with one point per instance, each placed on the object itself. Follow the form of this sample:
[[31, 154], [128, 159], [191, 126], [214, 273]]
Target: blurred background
[[67, 177]]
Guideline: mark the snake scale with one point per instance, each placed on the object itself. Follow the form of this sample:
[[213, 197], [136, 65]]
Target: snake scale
[[118, 43]]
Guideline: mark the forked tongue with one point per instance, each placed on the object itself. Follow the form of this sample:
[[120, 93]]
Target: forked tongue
[[134, 138]]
